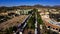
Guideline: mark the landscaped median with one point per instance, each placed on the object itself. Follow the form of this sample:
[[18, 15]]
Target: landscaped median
[[39, 19], [31, 24], [31, 21]]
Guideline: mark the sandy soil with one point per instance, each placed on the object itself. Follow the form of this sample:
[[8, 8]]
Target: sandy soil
[[12, 22]]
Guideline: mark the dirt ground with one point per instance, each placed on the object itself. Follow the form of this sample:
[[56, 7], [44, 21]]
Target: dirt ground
[[27, 31], [13, 22]]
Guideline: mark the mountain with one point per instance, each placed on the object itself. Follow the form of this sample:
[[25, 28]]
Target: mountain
[[4, 8]]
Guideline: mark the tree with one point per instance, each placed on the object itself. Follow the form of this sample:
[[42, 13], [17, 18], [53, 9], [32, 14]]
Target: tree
[[9, 30], [15, 28]]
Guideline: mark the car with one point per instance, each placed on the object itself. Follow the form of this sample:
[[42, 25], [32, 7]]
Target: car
[[16, 15]]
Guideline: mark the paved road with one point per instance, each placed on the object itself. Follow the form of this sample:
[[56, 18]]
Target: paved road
[[35, 23], [23, 25]]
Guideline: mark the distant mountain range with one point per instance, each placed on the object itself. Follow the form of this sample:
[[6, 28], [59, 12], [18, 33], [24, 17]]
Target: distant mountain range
[[4, 8], [37, 6]]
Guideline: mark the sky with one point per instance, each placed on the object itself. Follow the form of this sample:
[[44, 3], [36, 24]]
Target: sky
[[28, 2]]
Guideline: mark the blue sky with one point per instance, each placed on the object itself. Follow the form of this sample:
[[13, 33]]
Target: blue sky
[[28, 2]]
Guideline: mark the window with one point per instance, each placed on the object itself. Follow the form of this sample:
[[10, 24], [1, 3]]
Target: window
[[53, 28], [56, 28], [48, 26]]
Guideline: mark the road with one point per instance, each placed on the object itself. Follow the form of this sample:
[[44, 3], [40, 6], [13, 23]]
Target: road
[[37, 28], [22, 26], [35, 23]]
